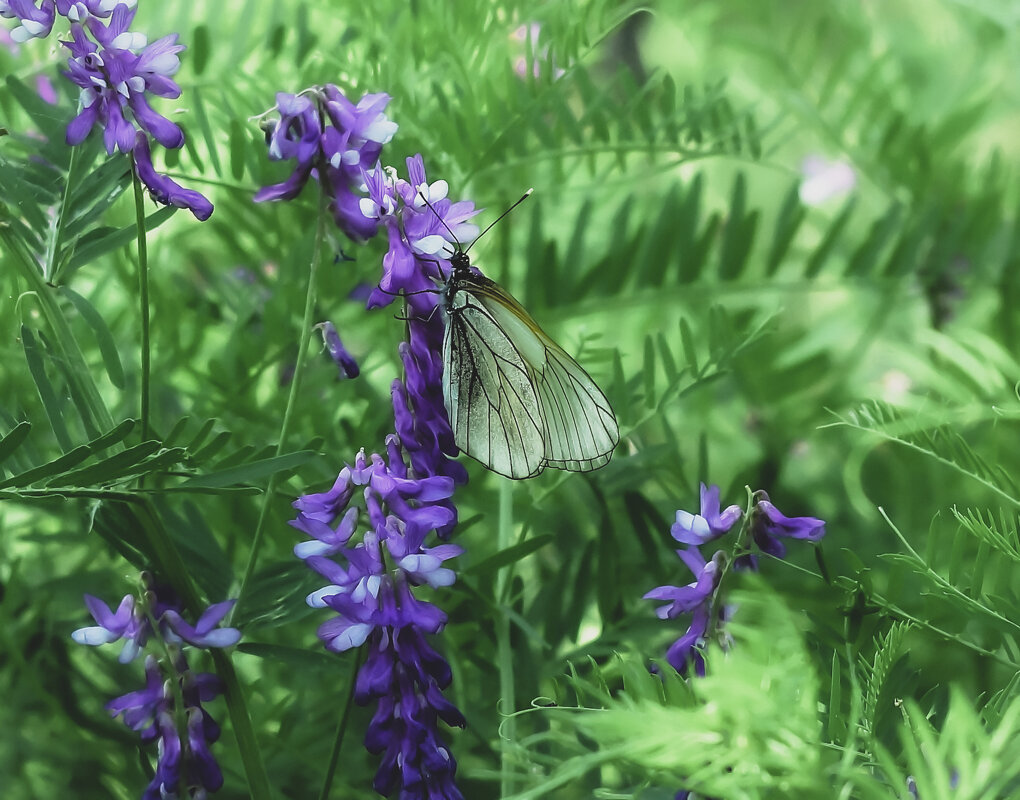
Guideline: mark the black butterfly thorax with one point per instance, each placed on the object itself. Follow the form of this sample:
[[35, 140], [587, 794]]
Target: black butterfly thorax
[[461, 277]]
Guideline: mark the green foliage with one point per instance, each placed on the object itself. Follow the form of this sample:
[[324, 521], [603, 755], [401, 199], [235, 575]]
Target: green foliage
[[854, 356]]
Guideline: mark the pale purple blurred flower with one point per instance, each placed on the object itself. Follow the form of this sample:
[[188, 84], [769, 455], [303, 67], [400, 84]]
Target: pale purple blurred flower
[[824, 179]]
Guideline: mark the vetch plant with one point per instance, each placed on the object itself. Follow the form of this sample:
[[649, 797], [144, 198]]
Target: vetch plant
[[169, 710], [765, 525], [116, 70], [408, 493]]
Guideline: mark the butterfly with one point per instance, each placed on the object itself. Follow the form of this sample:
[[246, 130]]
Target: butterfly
[[517, 402]]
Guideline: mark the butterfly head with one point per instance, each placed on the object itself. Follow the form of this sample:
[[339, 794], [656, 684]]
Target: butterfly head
[[461, 263]]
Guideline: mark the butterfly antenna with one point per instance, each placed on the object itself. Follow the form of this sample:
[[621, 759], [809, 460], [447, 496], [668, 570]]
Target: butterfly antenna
[[441, 220], [479, 236]]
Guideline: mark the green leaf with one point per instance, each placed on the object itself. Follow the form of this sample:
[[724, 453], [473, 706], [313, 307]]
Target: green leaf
[[510, 555], [238, 148], [106, 239], [105, 471], [825, 248], [54, 467], [299, 657], [50, 119], [791, 214], [47, 394], [207, 130], [199, 49], [648, 371], [252, 471], [689, 345], [72, 458], [12, 441], [738, 232], [107, 347]]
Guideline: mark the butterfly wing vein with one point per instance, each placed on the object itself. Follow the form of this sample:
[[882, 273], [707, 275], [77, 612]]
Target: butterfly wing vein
[[520, 405]]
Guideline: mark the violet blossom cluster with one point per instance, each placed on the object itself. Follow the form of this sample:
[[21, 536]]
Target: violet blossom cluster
[[116, 70], [370, 531], [372, 571], [169, 709], [766, 525], [333, 141]]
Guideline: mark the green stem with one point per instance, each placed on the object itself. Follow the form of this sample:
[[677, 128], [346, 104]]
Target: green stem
[[341, 728], [305, 336], [143, 293], [507, 700]]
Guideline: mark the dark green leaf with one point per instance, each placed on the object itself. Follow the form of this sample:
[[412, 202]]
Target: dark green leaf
[[510, 555], [107, 347], [103, 240], [46, 391], [253, 471], [108, 469], [12, 441]]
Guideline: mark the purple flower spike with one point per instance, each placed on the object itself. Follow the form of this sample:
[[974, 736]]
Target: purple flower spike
[[164, 190], [710, 524], [769, 524], [344, 360]]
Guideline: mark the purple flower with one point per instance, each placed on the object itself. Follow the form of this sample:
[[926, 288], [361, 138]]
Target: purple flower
[[186, 766], [114, 80], [81, 10], [374, 555], [165, 190], [769, 524], [709, 524], [333, 141], [131, 622], [297, 135], [696, 599], [344, 360], [35, 22]]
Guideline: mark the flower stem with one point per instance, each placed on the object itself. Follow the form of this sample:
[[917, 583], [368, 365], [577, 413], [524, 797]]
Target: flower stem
[[507, 700], [143, 295], [305, 336], [341, 728]]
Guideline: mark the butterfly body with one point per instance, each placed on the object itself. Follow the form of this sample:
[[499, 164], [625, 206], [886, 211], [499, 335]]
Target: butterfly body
[[517, 402]]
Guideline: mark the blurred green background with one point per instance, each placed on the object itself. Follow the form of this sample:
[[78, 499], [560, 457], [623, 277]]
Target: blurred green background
[[781, 234]]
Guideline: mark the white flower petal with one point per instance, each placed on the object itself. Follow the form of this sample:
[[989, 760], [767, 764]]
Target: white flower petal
[[314, 547], [430, 245], [369, 208], [438, 191], [315, 599], [381, 130], [94, 636]]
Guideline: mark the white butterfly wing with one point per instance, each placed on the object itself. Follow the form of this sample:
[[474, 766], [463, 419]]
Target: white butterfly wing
[[576, 424], [580, 428], [493, 407]]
